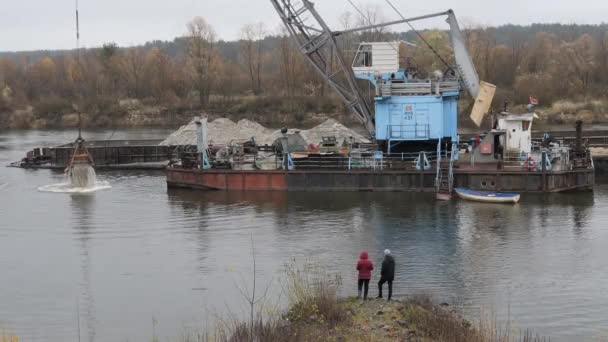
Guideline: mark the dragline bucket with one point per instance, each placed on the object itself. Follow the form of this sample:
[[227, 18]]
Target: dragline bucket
[[482, 92]]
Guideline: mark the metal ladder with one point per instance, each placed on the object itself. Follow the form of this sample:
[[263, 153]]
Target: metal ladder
[[444, 178]]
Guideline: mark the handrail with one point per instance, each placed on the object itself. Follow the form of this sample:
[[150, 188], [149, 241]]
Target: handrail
[[438, 171], [451, 170], [417, 88]]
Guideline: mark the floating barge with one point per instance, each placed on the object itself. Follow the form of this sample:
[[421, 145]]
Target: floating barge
[[503, 160], [108, 154]]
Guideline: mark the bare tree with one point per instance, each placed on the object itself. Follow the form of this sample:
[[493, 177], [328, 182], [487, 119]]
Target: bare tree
[[158, 75], [601, 55], [371, 15], [289, 66], [225, 88], [134, 69], [201, 51], [251, 53], [109, 58], [251, 295]]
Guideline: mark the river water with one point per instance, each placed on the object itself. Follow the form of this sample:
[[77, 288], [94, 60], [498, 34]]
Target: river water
[[139, 259]]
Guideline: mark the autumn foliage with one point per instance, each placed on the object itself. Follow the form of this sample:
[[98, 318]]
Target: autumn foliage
[[264, 74]]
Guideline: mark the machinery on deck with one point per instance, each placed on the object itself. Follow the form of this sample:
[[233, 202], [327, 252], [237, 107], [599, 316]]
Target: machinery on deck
[[412, 122], [410, 114]]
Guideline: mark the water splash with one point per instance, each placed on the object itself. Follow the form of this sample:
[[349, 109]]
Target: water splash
[[79, 179]]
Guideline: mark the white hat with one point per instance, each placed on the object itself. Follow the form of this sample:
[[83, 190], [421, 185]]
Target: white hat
[[387, 251]]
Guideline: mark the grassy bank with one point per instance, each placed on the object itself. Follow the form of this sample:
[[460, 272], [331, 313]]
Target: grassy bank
[[316, 313]]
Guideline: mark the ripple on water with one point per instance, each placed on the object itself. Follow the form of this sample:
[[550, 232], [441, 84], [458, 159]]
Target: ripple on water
[[544, 260], [68, 188]]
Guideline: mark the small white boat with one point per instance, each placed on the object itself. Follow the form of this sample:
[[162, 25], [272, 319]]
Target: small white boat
[[487, 196]]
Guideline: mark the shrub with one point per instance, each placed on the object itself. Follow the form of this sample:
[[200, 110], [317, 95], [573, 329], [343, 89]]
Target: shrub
[[312, 295], [51, 106]]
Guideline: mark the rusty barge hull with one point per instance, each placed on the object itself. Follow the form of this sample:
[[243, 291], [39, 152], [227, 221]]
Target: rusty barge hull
[[343, 180]]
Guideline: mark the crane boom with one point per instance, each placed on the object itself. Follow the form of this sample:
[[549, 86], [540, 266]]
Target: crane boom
[[317, 43], [464, 63]]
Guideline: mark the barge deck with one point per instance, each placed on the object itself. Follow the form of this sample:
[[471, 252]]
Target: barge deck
[[107, 154]]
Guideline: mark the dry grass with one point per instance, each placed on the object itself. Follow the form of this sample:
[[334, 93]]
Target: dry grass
[[437, 323], [312, 295], [8, 337], [567, 112], [316, 314]]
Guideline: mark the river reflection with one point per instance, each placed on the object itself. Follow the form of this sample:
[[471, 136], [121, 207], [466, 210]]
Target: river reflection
[[83, 206], [504, 256]]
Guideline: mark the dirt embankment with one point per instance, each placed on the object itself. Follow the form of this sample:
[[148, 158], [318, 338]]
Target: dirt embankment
[[156, 116], [270, 111], [568, 112], [129, 113], [561, 113], [414, 318]]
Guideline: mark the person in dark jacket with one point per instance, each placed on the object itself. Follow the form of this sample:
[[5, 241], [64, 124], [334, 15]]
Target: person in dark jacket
[[365, 267], [387, 274]]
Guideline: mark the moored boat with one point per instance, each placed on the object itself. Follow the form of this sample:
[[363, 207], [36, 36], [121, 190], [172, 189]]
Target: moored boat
[[487, 196]]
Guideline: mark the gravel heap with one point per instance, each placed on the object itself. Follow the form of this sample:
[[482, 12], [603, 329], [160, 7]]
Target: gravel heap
[[225, 131]]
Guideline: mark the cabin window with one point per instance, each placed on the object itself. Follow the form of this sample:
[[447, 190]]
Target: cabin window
[[526, 125], [363, 57]]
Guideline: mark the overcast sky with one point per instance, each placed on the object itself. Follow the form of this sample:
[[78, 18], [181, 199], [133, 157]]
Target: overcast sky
[[49, 24]]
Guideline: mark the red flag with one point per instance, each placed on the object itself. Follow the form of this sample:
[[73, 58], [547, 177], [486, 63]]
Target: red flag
[[533, 100]]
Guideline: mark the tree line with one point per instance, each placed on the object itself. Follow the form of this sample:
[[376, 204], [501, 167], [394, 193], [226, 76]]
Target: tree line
[[266, 73]]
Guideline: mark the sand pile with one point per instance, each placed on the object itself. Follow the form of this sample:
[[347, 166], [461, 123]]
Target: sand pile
[[221, 131], [225, 131], [599, 151], [331, 127]]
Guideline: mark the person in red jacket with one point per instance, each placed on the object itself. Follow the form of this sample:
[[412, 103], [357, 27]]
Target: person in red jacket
[[365, 267]]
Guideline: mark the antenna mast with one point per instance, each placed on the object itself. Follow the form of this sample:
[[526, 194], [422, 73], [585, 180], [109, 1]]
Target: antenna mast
[[78, 63], [77, 34]]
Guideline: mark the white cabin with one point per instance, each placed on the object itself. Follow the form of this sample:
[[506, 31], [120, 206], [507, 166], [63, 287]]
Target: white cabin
[[517, 130], [376, 58]]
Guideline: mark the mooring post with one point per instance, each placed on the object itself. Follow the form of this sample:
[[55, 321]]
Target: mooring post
[[421, 168], [544, 169], [201, 142]]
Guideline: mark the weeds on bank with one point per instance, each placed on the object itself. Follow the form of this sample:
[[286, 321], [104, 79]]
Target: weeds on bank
[[438, 323], [312, 295], [314, 313]]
